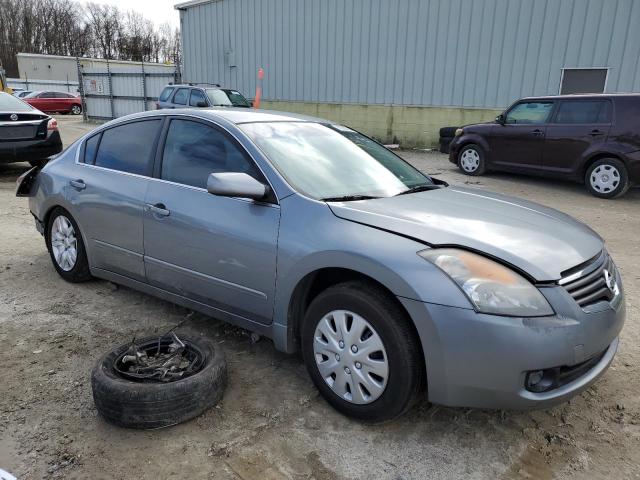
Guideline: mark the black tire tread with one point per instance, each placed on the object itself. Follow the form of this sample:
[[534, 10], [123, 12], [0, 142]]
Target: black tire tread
[[155, 405]]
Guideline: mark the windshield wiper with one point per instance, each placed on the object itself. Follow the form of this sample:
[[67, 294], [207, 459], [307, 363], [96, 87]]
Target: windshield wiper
[[348, 198], [420, 188]]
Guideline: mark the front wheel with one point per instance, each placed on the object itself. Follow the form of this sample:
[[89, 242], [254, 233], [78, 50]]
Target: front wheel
[[66, 247], [607, 178], [76, 109], [362, 352], [471, 160]]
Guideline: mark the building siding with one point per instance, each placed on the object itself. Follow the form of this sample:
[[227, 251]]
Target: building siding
[[464, 53]]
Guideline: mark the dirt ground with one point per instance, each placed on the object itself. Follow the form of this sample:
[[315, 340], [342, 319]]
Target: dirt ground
[[272, 424]]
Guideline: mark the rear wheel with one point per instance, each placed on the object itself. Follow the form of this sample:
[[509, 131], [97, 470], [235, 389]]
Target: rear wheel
[[362, 353], [66, 247], [471, 160], [607, 178]]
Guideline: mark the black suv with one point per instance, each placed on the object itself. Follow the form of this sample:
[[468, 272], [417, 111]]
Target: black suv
[[593, 139], [200, 96]]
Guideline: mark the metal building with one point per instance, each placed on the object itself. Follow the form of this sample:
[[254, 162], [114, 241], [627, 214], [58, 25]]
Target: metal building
[[400, 69]]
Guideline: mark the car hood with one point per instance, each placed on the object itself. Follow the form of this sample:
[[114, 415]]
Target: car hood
[[540, 241]]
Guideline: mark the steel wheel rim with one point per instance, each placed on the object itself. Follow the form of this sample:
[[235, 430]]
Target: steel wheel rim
[[470, 160], [64, 244], [351, 357], [605, 178]]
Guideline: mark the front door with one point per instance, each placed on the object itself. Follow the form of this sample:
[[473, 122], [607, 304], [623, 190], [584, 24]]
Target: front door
[[518, 142], [215, 250], [578, 125], [108, 195]]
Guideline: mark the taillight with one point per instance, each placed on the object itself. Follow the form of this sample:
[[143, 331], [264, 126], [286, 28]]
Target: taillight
[[52, 124]]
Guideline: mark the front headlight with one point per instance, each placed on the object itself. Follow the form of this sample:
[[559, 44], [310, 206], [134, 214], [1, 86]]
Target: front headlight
[[458, 132], [491, 287]]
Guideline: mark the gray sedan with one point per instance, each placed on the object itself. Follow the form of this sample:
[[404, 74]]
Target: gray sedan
[[390, 282]]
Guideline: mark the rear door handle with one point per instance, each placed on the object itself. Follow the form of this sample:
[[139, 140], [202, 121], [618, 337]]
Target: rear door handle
[[537, 132], [596, 132], [158, 209], [78, 184]]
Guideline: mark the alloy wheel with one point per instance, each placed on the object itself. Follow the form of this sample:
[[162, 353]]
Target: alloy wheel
[[64, 243], [351, 357], [75, 110], [605, 178]]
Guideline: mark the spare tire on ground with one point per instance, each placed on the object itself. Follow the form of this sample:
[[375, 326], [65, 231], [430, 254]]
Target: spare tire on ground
[[444, 144], [448, 131], [159, 381]]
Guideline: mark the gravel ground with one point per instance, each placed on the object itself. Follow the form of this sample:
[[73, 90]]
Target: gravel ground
[[272, 424]]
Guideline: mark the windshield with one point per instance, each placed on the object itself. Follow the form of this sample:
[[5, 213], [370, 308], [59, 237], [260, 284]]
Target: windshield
[[9, 103], [330, 162], [226, 98]]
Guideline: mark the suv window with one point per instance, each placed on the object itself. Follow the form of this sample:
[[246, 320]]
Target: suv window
[[90, 147], [529, 113], [584, 111], [166, 93], [196, 96], [121, 147], [181, 96], [193, 150]]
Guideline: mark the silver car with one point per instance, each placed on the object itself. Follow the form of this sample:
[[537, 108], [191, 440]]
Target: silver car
[[390, 282]]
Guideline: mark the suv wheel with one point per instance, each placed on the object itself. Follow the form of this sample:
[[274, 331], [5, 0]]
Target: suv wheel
[[362, 353], [607, 178], [471, 160], [66, 247]]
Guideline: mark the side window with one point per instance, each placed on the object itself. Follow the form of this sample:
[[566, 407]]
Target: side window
[[90, 148], [181, 96], [166, 93], [193, 150], [47, 95], [129, 147], [196, 96], [529, 113], [584, 111]]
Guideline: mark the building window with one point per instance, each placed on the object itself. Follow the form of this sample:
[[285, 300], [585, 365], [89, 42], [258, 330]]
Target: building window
[[583, 80]]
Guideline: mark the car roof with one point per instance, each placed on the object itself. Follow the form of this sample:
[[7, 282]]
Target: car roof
[[233, 115], [581, 96]]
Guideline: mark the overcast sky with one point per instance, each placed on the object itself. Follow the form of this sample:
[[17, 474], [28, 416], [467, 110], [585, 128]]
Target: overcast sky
[[158, 11]]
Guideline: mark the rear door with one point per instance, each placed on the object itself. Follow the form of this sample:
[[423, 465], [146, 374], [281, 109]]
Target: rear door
[[109, 194], [518, 143], [577, 126]]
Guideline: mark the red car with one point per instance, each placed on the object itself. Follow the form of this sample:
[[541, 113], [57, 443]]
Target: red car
[[61, 102]]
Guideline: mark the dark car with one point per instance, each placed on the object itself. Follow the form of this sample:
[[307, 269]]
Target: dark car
[[593, 139], [49, 101], [200, 96], [26, 134]]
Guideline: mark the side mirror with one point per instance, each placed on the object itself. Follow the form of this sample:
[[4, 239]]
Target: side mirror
[[201, 104], [500, 119], [233, 184]]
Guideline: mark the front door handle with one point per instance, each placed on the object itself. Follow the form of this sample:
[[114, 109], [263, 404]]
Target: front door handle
[[537, 132], [78, 184], [158, 209], [596, 132]]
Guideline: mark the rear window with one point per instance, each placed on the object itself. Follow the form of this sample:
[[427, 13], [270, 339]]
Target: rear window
[[128, 147], [166, 93], [584, 111], [181, 96], [9, 103]]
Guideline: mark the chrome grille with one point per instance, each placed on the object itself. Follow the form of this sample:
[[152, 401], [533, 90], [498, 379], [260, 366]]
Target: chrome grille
[[588, 284]]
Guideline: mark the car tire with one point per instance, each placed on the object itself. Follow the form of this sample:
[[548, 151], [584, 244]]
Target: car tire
[[445, 143], [67, 250], [471, 160], [154, 404], [607, 178], [76, 109], [386, 325], [448, 131]]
